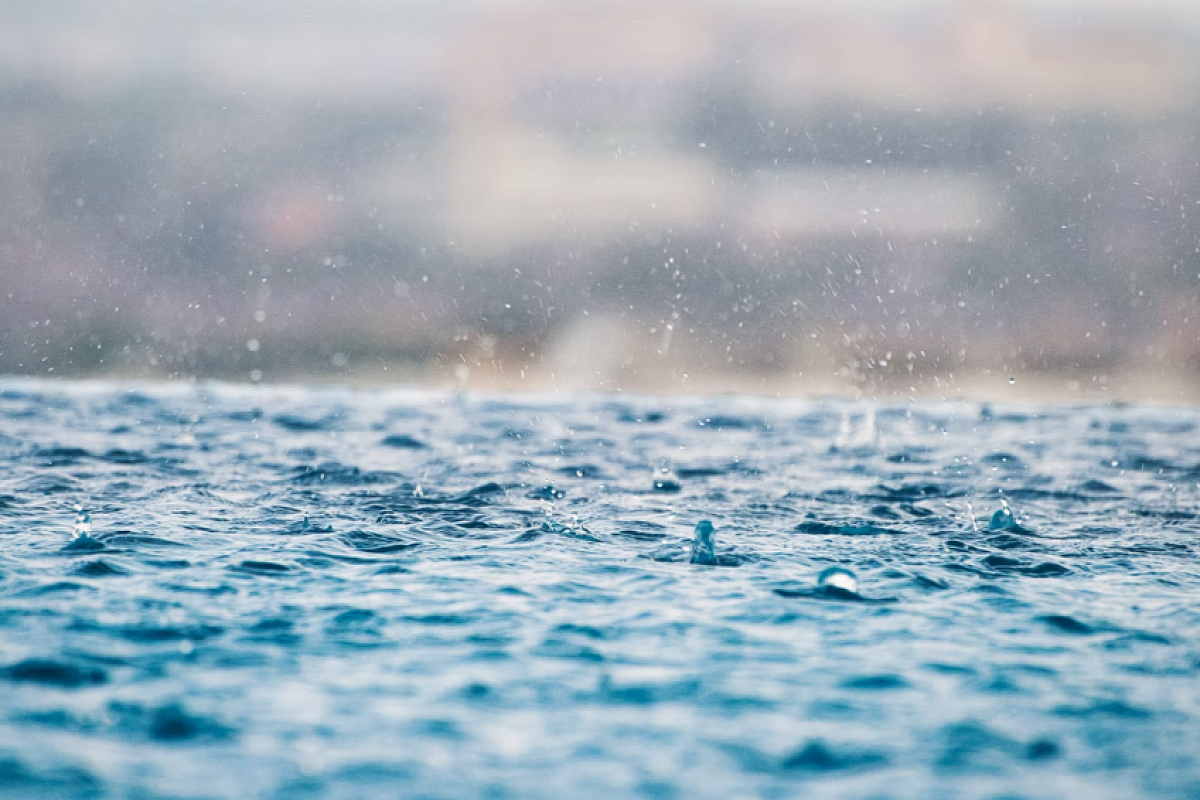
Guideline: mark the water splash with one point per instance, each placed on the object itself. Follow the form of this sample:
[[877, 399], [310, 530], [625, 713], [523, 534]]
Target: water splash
[[1003, 519], [704, 546], [665, 479], [971, 516], [837, 580], [83, 522]]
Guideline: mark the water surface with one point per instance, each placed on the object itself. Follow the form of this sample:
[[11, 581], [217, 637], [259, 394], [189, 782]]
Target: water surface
[[304, 592]]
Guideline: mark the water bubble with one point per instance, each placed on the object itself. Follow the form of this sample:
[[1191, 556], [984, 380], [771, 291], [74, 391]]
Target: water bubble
[[837, 580], [703, 546]]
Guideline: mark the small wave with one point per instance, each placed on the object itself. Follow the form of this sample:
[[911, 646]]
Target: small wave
[[52, 672], [817, 756]]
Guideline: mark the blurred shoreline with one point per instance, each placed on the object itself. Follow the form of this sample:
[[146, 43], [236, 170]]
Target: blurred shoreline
[[1144, 389], [906, 197]]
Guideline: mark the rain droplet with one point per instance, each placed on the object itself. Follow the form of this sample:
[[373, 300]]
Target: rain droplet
[[1003, 519], [834, 580], [703, 546]]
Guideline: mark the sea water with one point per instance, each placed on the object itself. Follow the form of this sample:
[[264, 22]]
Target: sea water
[[284, 592]]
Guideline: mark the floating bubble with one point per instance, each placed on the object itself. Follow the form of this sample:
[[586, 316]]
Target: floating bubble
[[703, 546], [837, 580]]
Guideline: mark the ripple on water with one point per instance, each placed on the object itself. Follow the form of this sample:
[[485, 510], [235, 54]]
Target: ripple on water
[[400, 594]]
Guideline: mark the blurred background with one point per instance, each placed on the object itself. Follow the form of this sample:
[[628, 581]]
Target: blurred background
[[903, 197]]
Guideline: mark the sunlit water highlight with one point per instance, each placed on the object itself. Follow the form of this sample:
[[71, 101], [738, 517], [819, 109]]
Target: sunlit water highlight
[[293, 593]]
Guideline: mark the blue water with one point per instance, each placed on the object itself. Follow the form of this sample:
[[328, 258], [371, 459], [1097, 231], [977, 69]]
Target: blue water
[[301, 593]]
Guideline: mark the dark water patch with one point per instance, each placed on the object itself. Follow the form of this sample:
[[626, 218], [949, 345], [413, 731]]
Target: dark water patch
[[1066, 624], [587, 631], [725, 422], [1094, 486], [530, 535], [690, 473], [831, 593], [1007, 564], [355, 619], [53, 673], [170, 723], [401, 441], [1042, 750], [885, 512], [632, 417], [55, 587], [1115, 709], [118, 456], [1036, 493], [168, 563], [645, 694], [1045, 569], [816, 528], [875, 683], [819, 757], [300, 424], [274, 630], [264, 567], [99, 568], [59, 456], [481, 494], [666, 486], [951, 669], [149, 634]]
